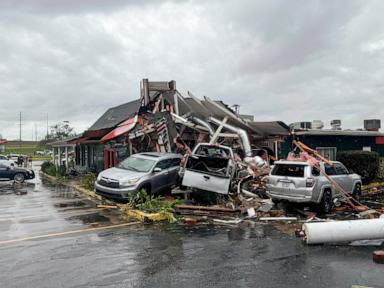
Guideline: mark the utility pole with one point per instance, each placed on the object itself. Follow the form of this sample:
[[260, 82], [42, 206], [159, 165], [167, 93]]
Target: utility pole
[[35, 131], [20, 130], [47, 127]]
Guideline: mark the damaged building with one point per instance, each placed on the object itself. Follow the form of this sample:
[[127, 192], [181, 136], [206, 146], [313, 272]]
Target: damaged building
[[163, 120]]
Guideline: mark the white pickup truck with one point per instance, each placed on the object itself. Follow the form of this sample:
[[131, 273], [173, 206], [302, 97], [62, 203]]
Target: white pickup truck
[[210, 167]]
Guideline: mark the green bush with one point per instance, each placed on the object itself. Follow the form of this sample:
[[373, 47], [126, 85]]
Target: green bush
[[364, 163], [61, 171], [51, 169], [46, 165], [153, 204], [88, 181]]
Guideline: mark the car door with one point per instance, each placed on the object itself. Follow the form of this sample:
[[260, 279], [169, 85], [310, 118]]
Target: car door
[[173, 171], [331, 172], [6, 172], [344, 179], [336, 173], [159, 180]]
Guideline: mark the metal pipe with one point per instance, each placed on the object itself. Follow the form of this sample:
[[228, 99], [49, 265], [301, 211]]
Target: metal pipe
[[203, 123], [344, 231], [249, 194], [242, 134], [182, 120]]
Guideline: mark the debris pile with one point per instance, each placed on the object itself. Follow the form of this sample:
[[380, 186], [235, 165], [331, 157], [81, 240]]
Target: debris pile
[[227, 162]]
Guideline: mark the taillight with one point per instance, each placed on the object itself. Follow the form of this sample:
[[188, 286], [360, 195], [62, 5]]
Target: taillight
[[310, 182]]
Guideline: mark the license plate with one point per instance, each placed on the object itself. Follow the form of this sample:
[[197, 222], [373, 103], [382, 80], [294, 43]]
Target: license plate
[[285, 185]]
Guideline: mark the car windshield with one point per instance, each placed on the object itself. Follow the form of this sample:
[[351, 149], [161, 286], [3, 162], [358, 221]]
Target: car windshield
[[137, 164], [213, 151]]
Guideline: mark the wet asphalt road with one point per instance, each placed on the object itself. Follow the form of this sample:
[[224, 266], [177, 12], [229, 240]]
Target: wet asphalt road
[[161, 255]]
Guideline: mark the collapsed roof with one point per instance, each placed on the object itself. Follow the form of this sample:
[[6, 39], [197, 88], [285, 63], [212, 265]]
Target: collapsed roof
[[184, 107]]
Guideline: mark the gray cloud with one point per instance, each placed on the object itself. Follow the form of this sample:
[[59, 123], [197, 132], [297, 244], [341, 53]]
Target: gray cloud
[[60, 7], [284, 60]]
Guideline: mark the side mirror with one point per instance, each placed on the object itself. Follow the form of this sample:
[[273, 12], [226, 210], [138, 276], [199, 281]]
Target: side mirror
[[157, 170]]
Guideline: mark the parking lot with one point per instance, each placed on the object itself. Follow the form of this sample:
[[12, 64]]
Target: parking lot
[[157, 255]]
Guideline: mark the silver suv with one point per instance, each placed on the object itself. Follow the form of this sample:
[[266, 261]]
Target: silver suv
[[300, 182], [150, 171]]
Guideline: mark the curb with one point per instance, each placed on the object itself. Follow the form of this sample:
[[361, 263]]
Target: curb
[[137, 214], [48, 176], [143, 216]]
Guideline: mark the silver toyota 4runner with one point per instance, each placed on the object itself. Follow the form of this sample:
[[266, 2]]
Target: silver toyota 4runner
[[300, 182]]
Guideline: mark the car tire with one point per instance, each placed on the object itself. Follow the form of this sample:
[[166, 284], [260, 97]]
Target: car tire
[[19, 178], [276, 201], [356, 194], [326, 203]]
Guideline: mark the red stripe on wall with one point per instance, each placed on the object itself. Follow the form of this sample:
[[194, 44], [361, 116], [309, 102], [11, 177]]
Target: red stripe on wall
[[380, 140]]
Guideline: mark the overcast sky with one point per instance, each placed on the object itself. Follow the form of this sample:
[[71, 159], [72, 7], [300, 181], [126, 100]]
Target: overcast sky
[[279, 60]]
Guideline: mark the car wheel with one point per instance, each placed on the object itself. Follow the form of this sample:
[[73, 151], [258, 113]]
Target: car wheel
[[357, 192], [276, 201], [327, 202], [19, 178]]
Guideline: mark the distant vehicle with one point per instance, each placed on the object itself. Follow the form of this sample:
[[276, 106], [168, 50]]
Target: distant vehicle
[[150, 171], [210, 167], [300, 182], [2, 157], [5, 158], [9, 172], [40, 153], [13, 157]]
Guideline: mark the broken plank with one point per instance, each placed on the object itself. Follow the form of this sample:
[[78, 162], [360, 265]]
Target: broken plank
[[278, 218], [207, 208], [107, 206]]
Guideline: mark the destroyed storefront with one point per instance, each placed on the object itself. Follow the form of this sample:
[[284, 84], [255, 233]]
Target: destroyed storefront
[[163, 120], [91, 153]]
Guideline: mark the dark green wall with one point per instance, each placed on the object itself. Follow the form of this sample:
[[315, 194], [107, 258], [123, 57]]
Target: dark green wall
[[342, 143]]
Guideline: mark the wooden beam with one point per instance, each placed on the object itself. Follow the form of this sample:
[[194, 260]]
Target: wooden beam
[[206, 208]]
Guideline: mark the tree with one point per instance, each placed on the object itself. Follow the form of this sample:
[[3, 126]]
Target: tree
[[58, 132]]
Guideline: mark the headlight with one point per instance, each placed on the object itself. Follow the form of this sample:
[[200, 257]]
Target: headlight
[[130, 181], [99, 177]]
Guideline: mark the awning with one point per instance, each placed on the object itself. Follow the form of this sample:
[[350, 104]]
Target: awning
[[124, 127], [77, 141]]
